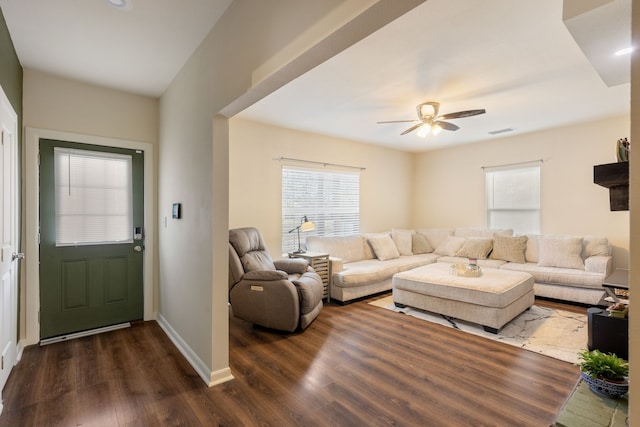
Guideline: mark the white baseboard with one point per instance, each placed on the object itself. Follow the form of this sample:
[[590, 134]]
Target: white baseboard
[[210, 378]]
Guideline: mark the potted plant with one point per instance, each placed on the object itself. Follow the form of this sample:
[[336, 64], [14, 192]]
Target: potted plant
[[606, 373]]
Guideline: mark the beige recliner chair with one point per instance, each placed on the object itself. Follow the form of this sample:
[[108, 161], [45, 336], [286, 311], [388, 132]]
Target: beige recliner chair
[[284, 295]]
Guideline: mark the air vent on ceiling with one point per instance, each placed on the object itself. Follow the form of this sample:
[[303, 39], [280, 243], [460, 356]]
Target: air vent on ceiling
[[496, 132]]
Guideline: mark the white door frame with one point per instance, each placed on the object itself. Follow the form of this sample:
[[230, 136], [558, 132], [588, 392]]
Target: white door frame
[[10, 242], [31, 203]]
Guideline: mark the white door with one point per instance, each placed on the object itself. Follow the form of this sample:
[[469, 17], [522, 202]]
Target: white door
[[9, 255]]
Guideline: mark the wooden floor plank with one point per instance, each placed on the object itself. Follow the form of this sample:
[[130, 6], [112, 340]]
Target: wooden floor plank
[[355, 365]]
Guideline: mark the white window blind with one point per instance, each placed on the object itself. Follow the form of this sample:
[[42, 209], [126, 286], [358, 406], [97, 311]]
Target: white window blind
[[329, 199], [513, 198], [93, 197]]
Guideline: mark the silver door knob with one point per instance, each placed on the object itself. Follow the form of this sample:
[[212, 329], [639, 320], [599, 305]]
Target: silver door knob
[[137, 248], [17, 255]]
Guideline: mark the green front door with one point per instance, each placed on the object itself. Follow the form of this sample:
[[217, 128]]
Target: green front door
[[91, 237]]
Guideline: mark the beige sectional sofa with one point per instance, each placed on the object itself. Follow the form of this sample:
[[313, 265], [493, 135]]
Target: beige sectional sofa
[[570, 268]]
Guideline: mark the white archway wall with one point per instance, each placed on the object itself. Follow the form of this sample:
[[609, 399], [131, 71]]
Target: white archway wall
[[255, 48]]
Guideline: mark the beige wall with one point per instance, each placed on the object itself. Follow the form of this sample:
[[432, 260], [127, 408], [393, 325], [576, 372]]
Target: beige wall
[[255, 178], [56, 103], [449, 183]]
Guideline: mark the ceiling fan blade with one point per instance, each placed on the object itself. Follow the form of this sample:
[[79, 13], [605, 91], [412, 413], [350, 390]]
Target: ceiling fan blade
[[399, 121], [461, 114], [447, 125], [412, 128]]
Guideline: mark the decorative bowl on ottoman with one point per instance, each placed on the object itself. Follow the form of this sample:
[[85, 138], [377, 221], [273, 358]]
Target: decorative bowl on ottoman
[[465, 270]]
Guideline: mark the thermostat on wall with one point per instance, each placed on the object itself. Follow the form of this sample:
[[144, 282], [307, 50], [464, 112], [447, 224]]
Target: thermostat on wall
[[176, 212]]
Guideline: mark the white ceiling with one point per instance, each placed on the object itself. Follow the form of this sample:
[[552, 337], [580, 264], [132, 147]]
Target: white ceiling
[[139, 48], [516, 59]]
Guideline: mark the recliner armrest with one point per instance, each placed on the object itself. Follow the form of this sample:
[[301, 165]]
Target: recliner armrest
[[292, 265], [265, 275]]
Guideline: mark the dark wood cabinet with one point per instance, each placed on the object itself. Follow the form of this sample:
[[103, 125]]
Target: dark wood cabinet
[[608, 334]]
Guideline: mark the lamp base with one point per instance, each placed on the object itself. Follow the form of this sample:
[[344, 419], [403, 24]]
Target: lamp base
[[299, 251]]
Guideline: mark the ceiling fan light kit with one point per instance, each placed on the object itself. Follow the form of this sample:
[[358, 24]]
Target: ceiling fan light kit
[[432, 122]]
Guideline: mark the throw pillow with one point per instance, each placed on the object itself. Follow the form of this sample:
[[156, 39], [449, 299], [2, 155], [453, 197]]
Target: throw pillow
[[420, 244], [402, 239], [383, 247], [595, 245], [475, 248], [450, 246], [564, 252], [510, 249]]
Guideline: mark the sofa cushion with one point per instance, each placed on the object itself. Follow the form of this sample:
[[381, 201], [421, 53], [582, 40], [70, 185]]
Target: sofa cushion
[[369, 271], [347, 248], [564, 276], [450, 246], [565, 252], [475, 248], [402, 240], [509, 248], [420, 244], [383, 247]]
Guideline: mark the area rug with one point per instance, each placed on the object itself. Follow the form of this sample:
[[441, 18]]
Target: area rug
[[556, 333]]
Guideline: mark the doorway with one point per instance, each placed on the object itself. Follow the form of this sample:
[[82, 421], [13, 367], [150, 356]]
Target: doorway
[[31, 295]]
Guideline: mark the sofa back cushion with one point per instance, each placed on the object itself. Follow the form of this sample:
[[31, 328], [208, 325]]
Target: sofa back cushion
[[402, 240], [347, 248], [560, 251], [436, 235], [594, 246]]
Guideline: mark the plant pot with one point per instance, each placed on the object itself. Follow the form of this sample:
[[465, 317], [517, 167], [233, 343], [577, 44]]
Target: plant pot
[[604, 387]]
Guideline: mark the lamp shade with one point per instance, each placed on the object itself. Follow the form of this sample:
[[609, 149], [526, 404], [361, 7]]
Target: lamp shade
[[307, 226]]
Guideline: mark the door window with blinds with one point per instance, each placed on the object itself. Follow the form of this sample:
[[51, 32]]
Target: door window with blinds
[[513, 198], [93, 197], [329, 198]]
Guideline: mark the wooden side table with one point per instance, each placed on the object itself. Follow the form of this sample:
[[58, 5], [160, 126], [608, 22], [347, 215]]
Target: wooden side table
[[320, 263]]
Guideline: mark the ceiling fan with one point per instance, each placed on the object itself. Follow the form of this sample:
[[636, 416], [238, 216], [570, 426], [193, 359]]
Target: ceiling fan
[[430, 121]]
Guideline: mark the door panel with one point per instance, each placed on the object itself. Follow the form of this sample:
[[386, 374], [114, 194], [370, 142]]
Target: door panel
[[88, 285]]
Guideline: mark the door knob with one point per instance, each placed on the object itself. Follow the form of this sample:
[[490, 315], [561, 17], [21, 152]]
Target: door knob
[[137, 248], [17, 255]]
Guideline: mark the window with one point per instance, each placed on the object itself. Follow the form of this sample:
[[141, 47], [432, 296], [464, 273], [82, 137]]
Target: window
[[330, 199], [513, 198], [93, 197]]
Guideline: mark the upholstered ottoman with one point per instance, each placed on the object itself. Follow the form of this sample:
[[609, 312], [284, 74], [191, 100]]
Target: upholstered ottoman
[[491, 300]]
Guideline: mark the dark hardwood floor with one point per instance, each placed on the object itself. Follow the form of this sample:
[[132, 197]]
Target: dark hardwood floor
[[356, 365]]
